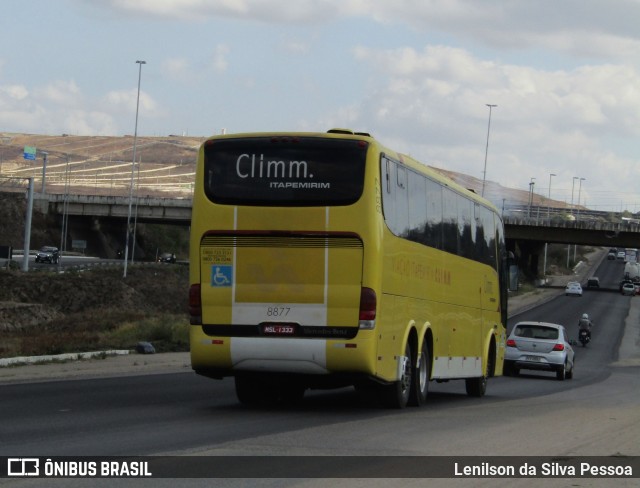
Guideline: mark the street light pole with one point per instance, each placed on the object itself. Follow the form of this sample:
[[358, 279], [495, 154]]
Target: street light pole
[[486, 151], [44, 171], [531, 183], [573, 185], [575, 246], [579, 190], [133, 163], [546, 244], [549, 199]]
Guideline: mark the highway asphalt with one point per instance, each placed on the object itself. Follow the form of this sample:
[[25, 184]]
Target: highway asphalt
[[123, 363]]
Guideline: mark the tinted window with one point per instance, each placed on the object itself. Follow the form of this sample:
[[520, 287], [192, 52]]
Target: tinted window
[[449, 221], [537, 332], [433, 229], [417, 207], [426, 211], [284, 171]]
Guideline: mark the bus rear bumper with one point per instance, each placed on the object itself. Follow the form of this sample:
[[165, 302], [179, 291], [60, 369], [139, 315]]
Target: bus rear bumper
[[218, 357]]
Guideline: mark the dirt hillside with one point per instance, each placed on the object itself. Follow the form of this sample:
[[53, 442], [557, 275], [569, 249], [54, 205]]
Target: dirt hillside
[[47, 312]]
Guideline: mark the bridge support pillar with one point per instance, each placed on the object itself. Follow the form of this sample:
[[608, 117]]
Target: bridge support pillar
[[529, 253]]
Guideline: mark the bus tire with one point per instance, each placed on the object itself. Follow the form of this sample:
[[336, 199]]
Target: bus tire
[[291, 394], [249, 389], [476, 387], [396, 395], [421, 376]]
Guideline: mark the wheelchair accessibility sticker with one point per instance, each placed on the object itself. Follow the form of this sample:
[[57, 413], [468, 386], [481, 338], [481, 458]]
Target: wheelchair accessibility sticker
[[221, 275]]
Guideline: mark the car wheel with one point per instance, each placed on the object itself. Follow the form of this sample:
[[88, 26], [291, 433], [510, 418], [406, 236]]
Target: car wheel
[[508, 369], [561, 374], [569, 374]]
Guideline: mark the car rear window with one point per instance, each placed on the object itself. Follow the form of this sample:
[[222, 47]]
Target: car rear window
[[536, 332]]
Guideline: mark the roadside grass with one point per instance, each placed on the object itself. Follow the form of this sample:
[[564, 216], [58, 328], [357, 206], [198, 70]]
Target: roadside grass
[[167, 333], [94, 310]]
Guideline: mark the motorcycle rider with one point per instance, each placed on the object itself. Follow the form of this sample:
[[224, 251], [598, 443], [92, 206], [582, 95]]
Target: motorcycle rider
[[585, 324]]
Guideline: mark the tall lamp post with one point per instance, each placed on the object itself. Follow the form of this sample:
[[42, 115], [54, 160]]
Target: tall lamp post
[[575, 246], [573, 185], [133, 163], [579, 190], [486, 151], [44, 171], [549, 198], [531, 185], [546, 244]]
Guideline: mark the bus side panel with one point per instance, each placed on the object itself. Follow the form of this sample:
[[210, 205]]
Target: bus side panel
[[492, 320], [390, 333], [458, 299]]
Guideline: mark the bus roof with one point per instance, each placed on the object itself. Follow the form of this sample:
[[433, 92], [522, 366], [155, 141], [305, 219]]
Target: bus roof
[[341, 133]]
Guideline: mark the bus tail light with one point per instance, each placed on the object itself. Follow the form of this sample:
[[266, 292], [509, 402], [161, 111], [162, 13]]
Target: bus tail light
[[195, 305], [368, 304]]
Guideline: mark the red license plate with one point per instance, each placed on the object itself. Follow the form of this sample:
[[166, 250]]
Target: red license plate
[[278, 329]]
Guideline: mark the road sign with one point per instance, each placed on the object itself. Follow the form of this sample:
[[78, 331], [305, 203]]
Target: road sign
[[30, 152]]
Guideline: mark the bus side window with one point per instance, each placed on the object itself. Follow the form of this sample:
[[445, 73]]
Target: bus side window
[[433, 228], [402, 203], [449, 221], [417, 207], [395, 198]]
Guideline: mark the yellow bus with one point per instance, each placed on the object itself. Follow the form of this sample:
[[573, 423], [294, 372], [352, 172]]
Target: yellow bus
[[322, 260]]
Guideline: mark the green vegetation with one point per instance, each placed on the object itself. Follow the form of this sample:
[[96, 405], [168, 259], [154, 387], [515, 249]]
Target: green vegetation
[[48, 313]]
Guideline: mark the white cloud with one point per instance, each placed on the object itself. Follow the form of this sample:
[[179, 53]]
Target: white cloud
[[177, 69], [270, 11], [61, 92], [88, 122], [219, 60], [295, 47], [433, 106], [12, 92], [588, 28], [125, 101]]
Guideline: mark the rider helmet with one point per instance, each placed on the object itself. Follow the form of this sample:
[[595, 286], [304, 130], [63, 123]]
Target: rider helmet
[[585, 316]]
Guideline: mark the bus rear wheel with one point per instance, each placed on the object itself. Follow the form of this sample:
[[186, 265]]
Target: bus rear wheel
[[249, 389], [421, 375], [476, 387], [396, 395]]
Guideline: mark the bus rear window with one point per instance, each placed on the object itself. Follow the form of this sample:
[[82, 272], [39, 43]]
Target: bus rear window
[[284, 171]]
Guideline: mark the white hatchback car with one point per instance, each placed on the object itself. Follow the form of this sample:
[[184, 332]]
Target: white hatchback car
[[539, 346], [573, 289]]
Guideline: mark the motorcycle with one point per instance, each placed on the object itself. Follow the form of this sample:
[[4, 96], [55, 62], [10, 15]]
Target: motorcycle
[[583, 337]]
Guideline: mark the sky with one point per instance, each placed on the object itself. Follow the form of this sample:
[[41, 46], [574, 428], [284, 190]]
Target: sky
[[564, 76]]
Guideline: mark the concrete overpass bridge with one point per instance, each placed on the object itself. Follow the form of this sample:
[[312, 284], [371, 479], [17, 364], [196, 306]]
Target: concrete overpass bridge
[[146, 209], [526, 237], [526, 232]]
